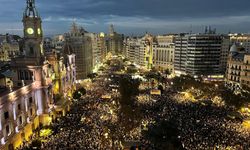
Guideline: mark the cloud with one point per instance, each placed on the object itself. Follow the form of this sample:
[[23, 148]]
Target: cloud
[[47, 19], [14, 29], [133, 15]]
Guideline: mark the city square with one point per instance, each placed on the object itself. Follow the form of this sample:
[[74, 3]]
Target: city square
[[85, 90], [157, 121]]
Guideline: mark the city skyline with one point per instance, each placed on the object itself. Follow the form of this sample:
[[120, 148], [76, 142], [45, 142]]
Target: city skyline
[[85, 90], [131, 17]]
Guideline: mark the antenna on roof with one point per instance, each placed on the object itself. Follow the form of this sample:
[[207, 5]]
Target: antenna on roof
[[191, 29], [205, 29]]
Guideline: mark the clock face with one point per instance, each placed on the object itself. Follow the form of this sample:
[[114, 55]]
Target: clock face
[[30, 31], [39, 31]]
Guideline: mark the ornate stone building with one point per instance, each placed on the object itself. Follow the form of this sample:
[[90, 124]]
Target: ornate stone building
[[30, 101], [80, 43], [238, 68], [242, 40], [114, 41], [9, 47], [151, 51], [164, 52]]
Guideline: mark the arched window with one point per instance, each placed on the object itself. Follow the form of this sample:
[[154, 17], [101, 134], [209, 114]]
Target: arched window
[[20, 120], [26, 75], [31, 50]]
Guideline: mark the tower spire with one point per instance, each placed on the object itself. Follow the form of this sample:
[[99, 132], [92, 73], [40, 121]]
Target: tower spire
[[33, 33], [30, 10], [111, 29]]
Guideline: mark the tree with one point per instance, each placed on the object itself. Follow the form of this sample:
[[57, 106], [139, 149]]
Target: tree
[[131, 70], [92, 75], [232, 99], [153, 75], [185, 82], [108, 62], [76, 95], [167, 72], [82, 91], [164, 135], [160, 87], [129, 114], [129, 88]]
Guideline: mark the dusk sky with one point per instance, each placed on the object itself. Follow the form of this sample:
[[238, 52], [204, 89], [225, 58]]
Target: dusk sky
[[131, 16]]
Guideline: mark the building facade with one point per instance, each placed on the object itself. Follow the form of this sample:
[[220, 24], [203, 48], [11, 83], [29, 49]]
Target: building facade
[[163, 52], [238, 69], [9, 47], [181, 44], [200, 54], [132, 49], [242, 40], [29, 101], [58, 42], [114, 41], [151, 51], [81, 44], [102, 46]]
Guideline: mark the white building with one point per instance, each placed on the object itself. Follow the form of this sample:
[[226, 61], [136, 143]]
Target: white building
[[164, 52], [201, 54], [157, 51]]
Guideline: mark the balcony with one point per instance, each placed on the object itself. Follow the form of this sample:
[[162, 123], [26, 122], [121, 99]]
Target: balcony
[[17, 93]]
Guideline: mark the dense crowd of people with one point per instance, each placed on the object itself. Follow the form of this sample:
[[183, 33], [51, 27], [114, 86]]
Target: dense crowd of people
[[93, 123], [199, 125]]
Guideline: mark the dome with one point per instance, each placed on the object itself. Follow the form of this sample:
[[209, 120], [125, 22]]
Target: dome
[[233, 48]]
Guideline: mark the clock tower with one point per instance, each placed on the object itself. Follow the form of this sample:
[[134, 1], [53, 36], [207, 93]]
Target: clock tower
[[33, 34]]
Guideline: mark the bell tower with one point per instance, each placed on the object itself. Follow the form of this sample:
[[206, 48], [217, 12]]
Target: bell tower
[[33, 34]]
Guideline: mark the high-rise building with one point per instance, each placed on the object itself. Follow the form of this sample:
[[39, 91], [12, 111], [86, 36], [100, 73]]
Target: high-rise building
[[200, 54], [180, 53], [96, 48], [133, 49], [102, 46], [81, 43], [114, 41], [225, 47]]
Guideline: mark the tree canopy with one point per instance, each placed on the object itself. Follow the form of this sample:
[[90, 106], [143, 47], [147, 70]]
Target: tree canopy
[[78, 93]]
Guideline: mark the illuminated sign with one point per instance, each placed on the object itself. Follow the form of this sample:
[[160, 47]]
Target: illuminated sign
[[155, 92]]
